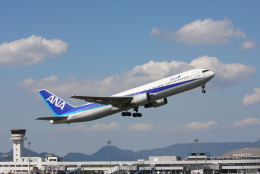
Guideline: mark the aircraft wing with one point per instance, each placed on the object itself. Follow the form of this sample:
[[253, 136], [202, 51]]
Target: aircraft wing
[[105, 100], [51, 118]]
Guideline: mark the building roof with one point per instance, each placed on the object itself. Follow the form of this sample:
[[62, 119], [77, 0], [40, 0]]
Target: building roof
[[18, 131], [246, 152]]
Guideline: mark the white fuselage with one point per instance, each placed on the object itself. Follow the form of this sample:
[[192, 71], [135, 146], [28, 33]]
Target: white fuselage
[[159, 89]]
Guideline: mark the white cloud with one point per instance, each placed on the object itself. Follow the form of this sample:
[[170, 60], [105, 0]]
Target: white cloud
[[198, 126], [251, 99], [114, 126], [141, 127], [204, 31], [147, 127], [248, 45], [98, 127], [247, 122], [29, 51], [155, 32], [226, 75]]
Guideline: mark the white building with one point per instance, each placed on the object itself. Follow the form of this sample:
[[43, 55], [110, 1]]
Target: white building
[[241, 161]]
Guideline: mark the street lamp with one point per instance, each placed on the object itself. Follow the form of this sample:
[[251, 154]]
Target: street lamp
[[196, 140], [109, 142], [29, 143], [173, 149]]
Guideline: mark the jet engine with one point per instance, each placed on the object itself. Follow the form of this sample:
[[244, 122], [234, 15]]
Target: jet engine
[[141, 99], [156, 103]]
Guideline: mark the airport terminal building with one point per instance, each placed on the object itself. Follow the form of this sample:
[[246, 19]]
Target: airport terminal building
[[238, 161]]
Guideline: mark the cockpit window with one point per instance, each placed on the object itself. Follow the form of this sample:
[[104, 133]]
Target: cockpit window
[[204, 71]]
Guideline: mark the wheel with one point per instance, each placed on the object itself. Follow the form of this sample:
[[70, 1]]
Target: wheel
[[203, 91], [128, 113], [139, 115], [134, 114], [123, 113]]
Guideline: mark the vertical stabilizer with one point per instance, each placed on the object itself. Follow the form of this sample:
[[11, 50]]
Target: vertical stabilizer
[[56, 104]]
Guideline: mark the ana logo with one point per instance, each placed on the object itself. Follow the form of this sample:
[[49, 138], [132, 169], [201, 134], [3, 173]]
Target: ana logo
[[56, 101], [175, 78]]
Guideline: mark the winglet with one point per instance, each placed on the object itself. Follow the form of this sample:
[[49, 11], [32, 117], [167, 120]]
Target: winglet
[[56, 104]]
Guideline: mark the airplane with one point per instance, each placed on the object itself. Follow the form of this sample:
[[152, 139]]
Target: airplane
[[150, 95]]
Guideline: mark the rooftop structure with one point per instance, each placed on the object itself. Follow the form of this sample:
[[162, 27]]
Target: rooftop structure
[[240, 153]]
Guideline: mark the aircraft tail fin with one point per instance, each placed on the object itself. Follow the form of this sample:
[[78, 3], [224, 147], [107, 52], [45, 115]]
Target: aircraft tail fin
[[58, 106]]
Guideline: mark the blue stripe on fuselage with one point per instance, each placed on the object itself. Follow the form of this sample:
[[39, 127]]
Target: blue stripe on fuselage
[[97, 105], [83, 108], [159, 89]]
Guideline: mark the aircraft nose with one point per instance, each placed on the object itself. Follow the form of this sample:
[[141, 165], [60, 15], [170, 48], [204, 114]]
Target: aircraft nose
[[211, 74]]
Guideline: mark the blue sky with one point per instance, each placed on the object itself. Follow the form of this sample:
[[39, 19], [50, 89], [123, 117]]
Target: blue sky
[[104, 47]]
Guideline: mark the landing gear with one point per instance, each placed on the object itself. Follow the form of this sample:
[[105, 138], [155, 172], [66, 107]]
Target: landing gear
[[203, 88], [137, 115], [126, 113], [134, 114]]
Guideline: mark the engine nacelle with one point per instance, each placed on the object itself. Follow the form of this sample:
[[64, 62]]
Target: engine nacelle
[[141, 99], [156, 103]]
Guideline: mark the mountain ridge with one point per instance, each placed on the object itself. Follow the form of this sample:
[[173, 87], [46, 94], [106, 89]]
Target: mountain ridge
[[117, 154]]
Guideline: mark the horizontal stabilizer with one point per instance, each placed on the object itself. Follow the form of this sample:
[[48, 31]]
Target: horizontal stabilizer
[[51, 118], [105, 100]]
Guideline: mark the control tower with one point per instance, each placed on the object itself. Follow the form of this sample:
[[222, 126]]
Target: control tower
[[18, 145]]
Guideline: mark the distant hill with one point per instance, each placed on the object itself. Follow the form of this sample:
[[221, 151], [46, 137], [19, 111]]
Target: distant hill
[[116, 154], [215, 149], [78, 157], [26, 154], [256, 144], [144, 154]]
